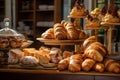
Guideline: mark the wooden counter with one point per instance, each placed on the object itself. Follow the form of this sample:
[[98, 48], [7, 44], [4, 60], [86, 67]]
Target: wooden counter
[[30, 74]]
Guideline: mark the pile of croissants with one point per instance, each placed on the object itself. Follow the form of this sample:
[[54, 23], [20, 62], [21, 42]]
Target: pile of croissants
[[64, 31], [91, 57]]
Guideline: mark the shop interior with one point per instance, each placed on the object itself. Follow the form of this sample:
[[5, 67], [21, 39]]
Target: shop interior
[[29, 20]]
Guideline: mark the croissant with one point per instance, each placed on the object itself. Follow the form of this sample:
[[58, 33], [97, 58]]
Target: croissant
[[48, 34], [112, 65], [63, 64], [88, 64], [75, 63], [60, 32], [88, 41], [73, 34], [99, 67], [96, 51]]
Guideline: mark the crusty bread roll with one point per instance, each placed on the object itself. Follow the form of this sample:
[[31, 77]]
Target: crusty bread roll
[[75, 63], [63, 64], [96, 51], [48, 34], [87, 64], [99, 67], [60, 32], [112, 65]]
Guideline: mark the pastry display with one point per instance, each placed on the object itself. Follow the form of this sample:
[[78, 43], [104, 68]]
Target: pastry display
[[78, 9]]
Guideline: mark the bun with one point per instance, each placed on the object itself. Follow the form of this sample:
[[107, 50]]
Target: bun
[[88, 64], [63, 64], [95, 51], [48, 34], [99, 67], [60, 32], [4, 42], [112, 65], [75, 63]]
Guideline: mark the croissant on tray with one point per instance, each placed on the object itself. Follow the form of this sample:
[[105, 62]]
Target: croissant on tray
[[99, 67]]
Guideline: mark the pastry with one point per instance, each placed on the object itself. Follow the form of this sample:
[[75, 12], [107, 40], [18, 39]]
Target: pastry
[[29, 51], [95, 13], [60, 32], [67, 54], [48, 34], [111, 16], [28, 61], [78, 9], [96, 51], [99, 67], [87, 64], [55, 55], [75, 63], [112, 65], [63, 64], [4, 42]]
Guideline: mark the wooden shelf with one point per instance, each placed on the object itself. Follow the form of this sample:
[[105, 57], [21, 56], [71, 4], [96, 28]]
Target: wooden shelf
[[33, 14]]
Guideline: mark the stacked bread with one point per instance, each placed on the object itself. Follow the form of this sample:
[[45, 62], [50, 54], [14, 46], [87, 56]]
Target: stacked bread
[[64, 31], [93, 58]]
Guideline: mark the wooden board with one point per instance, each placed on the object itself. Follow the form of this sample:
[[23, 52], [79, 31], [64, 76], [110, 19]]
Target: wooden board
[[60, 42]]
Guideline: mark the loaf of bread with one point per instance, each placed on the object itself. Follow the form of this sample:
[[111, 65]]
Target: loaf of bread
[[48, 34], [96, 51], [63, 64], [99, 67], [60, 32], [75, 63], [111, 66], [87, 64]]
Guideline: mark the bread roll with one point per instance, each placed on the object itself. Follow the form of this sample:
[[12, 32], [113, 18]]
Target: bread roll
[[29, 51], [48, 34], [112, 65], [99, 67], [64, 63], [87, 64], [75, 63], [60, 32]]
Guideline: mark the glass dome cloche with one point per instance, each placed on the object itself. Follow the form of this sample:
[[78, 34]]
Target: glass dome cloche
[[9, 37]]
